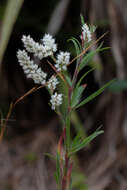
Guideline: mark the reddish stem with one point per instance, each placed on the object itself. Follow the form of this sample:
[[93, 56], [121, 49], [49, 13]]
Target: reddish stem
[[62, 137], [67, 173]]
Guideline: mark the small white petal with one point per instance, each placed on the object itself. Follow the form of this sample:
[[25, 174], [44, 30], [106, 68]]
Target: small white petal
[[30, 69], [63, 59], [52, 82], [86, 33], [56, 100]]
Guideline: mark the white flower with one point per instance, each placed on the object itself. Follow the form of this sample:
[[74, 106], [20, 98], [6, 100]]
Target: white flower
[[49, 44], [39, 77], [63, 59], [33, 47], [52, 82], [30, 69], [86, 33], [29, 44], [56, 100], [40, 50]]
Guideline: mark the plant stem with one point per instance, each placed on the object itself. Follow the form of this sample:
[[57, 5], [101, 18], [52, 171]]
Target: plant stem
[[68, 133], [67, 173], [76, 72]]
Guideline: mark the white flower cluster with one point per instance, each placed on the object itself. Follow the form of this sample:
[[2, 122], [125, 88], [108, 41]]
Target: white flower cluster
[[40, 50], [63, 59], [56, 100], [30, 69], [49, 44], [86, 33], [47, 48], [52, 82]]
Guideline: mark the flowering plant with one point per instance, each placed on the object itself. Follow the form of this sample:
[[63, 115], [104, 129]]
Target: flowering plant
[[63, 103]]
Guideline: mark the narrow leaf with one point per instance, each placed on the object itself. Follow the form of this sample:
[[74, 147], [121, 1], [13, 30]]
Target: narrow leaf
[[95, 94], [89, 56], [11, 13], [57, 174], [118, 86], [68, 79], [87, 59], [56, 178], [76, 44], [82, 19], [79, 82], [85, 142], [50, 156], [76, 95], [79, 127], [76, 140]]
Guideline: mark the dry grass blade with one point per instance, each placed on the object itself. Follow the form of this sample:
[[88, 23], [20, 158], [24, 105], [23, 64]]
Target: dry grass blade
[[5, 123], [10, 16], [58, 73], [12, 105], [26, 94], [34, 89]]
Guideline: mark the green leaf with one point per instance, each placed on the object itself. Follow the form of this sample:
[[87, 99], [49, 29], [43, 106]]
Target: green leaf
[[11, 13], [63, 88], [76, 140], [57, 173], [79, 180], [82, 19], [68, 79], [50, 156], [85, 142], [79, 82], [75, 120], [118, 86], [56, 178], [76, 95], [89, 56], [76, 44], [95, 94], [92, 28]]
